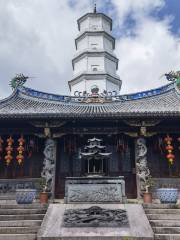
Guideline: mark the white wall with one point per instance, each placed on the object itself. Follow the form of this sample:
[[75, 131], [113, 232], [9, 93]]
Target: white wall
[[82, 44], [95, 23], [108, 45], [106, 25], [96, 62], [86, 85], [80, 65], [90, 42], [84, 25], [98, 40], [110, 66], [91, 63], [80, 87], [111, 87], [101, 83]]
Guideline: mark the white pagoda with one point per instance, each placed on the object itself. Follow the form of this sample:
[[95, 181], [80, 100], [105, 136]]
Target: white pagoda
[[95, 64]]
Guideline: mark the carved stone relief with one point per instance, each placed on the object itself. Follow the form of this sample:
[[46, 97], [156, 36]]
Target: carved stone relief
[[95, 217], [142, 169], [48, 171], [94, 193]]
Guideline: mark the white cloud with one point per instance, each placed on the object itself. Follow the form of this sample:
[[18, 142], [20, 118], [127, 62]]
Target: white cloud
[[151, 51], [37, 38]]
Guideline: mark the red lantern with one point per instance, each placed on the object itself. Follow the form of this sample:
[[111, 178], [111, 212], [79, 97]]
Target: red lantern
[[169, 148], [170, 155]]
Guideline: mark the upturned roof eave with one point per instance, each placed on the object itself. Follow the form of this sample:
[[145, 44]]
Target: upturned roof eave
[[119, 115]]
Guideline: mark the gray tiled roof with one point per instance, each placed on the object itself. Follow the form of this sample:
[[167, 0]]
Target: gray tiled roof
[[28, 103]]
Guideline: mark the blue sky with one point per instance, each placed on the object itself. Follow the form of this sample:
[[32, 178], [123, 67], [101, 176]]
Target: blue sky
[[171, 8], [37, 39]]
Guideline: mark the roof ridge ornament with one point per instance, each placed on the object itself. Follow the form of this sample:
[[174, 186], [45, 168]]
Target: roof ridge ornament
[[173, 76], [18, 81]]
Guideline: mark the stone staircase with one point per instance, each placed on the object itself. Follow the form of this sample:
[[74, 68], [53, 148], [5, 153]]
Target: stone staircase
[[164, 220], [21, 222]]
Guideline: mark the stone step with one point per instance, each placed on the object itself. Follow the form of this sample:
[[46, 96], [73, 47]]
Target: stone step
[[24, 206], [165, 223], [161, 206], [19, 230], [166, 237], [20, 223], [162, 211], [22, 217], [22, 211], [163, 216], [166, 230], [31, 236]]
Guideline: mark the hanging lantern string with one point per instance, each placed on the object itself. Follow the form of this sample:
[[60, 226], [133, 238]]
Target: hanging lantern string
[[20, 150], [9, 149], [170, 156]]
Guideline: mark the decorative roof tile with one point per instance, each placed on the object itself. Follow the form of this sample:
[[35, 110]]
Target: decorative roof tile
[[29, 103]]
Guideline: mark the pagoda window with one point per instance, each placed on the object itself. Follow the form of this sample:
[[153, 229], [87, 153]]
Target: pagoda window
[[94, 45], [94, 27], [95, 68]]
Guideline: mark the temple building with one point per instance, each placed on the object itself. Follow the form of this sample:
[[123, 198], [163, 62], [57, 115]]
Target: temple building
[[93, 131]]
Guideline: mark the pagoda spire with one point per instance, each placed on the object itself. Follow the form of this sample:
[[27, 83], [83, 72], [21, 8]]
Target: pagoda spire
[[95, 8]]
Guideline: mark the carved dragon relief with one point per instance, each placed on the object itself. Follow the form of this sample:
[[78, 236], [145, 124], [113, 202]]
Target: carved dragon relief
[[49, 164], [142, 169]]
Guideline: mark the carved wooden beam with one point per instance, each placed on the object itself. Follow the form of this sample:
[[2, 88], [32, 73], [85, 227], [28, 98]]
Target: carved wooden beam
[[138, 123], [51, 124]]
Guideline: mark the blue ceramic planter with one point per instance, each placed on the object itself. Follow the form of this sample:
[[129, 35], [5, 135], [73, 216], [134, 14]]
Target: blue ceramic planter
[[167, 195], [25, 196]]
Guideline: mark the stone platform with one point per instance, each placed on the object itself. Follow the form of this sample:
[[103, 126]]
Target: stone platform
[[95, 190], [53, 226]]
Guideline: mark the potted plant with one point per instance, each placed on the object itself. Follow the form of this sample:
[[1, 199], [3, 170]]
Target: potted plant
[[43, 197], [147, 196], [167, 194]]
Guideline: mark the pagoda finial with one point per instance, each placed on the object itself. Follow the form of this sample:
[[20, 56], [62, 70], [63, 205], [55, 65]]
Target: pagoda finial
[[95, 7]]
